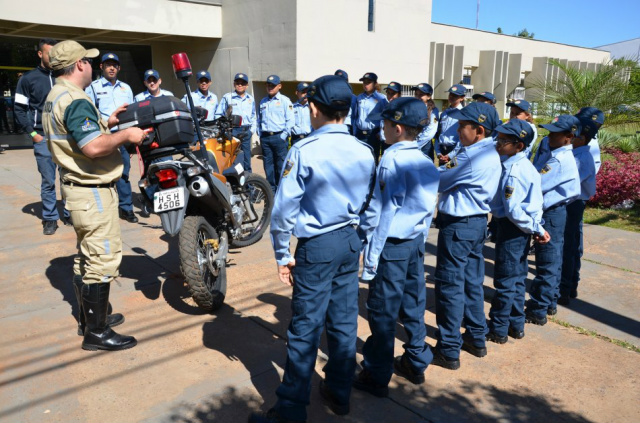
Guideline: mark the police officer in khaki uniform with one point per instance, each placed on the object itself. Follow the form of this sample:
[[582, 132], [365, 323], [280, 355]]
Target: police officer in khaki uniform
[[87, 153]]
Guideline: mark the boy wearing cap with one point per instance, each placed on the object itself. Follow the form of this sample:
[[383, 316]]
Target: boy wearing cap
[[393, 90], [243, 105], [108, 93], [573, 242], [275, 122], [324, 186], [595, 115], [202, 97], [467, 185], [366, 129], [152, 81], [302, 121], [448, 126], [517, 213], [423, 92], [560, 186], [398, 221], [485, 97], [354, 102], [521, 109]]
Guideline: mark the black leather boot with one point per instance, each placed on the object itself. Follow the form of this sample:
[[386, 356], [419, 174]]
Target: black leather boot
[[98, 335], [112, 319]]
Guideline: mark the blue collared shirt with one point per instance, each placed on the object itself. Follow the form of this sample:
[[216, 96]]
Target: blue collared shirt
[[448, 130], [145, 95], [559, 174], [402, 207], [586, 170], [428, 132], [527, 151], [275, 115], [242, 106], [209, 102], [594, 149], [107, 97], [470, 180], [364, 106], [301, 119], [324, 185], [519, 195], [352, 110]]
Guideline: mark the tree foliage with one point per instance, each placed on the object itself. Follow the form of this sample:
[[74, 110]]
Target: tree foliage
[[525, 34]]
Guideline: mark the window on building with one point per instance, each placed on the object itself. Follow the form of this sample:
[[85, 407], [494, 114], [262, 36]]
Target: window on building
[[372, 15], [466, 79]]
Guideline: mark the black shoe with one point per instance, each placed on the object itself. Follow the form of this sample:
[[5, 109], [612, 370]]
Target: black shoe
[[552, 311], [442, 361], [270, 416], [493, 337], [403, 368], [574, 294], [127, 215], [564, 301], [67, 221], [330, 400], [365, 382], [144, 210], [530, 318], [97, 334], [516, 334], [49, 227], [468, 346], [114, 319]]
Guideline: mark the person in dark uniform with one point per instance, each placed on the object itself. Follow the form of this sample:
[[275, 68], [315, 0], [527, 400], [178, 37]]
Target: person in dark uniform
[[325, 183]]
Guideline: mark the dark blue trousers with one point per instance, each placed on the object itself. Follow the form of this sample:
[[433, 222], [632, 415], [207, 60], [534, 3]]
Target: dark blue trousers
[[544, 288], [125, 201], [47, 169], [459, 277], [274, 151], [243, 133], [398, 290], [325, 295], [509, 276], [573, 248]]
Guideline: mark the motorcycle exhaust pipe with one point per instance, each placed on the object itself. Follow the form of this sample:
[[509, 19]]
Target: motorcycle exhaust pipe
[[199, 187]]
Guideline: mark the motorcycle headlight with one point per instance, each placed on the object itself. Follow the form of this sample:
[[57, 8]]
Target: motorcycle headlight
[[195, 170]]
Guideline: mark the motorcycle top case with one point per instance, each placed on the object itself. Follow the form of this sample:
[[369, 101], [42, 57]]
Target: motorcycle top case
[[169, 117]]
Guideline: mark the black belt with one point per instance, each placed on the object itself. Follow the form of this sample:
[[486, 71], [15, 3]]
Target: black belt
[[73, 184], [298, 137], [367, 132], [270, 134]]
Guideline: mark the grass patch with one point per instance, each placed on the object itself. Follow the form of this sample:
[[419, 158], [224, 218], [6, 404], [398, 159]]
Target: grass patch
[[629, 220], [594, 334]]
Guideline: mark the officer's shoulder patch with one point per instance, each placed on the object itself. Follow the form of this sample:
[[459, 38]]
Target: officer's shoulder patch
[[545, 169], [287, 168], [508, 191], [290, 106], [452, 163]]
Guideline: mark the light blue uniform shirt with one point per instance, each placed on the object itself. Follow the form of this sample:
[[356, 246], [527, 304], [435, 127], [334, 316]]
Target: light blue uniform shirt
[[402, 207], [242, 106], [364, 106], [428, 132], [519, 195], [145, 95], [325, 182], [527, 151], [559, 174], [275, 115], [470, 180], [586, 170], [301, 119], [448, 130], [107, 97], [209, 102], [594, 149], [352, 110]]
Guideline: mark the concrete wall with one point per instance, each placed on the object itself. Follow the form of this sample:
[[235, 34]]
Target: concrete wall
[[146, 16]]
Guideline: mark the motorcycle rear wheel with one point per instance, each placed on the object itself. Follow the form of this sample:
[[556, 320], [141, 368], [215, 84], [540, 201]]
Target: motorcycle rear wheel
[[207, 289], [261, 198]]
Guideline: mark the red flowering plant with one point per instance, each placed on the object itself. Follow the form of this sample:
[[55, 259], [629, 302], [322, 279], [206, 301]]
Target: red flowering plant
[[618, 181]]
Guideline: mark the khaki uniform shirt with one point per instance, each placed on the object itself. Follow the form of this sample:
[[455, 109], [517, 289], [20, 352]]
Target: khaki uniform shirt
[[70, 122]]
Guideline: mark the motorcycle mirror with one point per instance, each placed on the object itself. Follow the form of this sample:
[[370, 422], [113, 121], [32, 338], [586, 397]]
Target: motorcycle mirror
[[236, 121], [228, 112], [202, 113]]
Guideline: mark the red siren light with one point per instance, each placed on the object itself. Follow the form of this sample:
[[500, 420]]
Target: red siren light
[[181, 65]]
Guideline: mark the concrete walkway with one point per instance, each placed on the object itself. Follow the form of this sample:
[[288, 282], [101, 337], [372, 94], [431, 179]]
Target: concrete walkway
[[195, 367]]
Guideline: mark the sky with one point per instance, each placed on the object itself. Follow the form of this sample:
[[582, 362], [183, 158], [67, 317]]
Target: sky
[[586, 23]]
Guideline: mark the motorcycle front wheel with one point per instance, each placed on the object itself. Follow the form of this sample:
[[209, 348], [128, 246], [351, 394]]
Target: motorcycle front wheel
[[207, 283], [260, 199]]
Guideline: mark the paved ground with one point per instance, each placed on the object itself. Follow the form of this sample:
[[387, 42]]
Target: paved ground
[[195, 367]]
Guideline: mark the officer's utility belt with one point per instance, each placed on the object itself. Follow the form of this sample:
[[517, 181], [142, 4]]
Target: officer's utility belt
[[74, 184], [270, 134]]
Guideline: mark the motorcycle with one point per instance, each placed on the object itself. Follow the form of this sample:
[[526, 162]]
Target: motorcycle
[[201, 192]]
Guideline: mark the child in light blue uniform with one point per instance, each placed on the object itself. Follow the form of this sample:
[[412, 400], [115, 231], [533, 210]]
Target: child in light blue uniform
[[560, 186], [517, 211], [597, 117], [399, 218], [573, 243], [468, 183]]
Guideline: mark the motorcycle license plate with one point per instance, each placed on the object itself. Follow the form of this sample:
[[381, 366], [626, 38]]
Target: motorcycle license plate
[[169, 199]]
